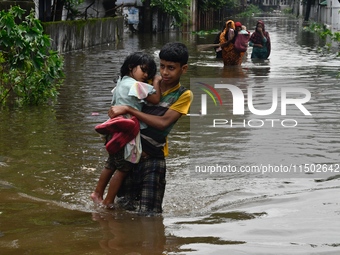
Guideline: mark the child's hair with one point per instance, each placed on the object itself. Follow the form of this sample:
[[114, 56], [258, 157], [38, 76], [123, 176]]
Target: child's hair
[[142, 59], [244, 27], [175, 52]]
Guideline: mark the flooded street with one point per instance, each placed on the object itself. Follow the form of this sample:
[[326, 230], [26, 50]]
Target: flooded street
[[51, 159]]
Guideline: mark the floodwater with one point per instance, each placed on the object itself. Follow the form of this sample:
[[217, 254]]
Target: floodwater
[[51, 158]]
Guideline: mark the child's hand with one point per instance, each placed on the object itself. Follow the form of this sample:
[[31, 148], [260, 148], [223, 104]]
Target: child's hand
[[156, 80], [156, 97], [117, 110]]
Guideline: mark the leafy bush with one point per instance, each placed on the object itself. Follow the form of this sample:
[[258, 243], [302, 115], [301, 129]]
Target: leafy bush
[[250, 11], [30, 73], [288, 11], [206, 32], [175, 8], [206, 5], [324, 33]]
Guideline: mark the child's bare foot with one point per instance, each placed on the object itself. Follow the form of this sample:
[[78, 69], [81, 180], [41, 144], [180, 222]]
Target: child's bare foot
[[97, 199]]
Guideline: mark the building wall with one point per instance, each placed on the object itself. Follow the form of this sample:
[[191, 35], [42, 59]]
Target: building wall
[[328, 15], [80, 34]]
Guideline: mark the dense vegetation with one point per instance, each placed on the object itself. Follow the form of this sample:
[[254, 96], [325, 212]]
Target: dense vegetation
[[30, 73], [179, 8], [324, 33]]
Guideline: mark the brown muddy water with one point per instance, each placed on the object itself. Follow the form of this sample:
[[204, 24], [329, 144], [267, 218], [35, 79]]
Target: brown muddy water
[[51, 158]]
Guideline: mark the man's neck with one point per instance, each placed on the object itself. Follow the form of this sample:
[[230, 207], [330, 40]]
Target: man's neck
[[165, 87]]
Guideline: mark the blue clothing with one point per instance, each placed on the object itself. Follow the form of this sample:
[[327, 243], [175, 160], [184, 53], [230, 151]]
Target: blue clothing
[[258, 52], [131, 92]]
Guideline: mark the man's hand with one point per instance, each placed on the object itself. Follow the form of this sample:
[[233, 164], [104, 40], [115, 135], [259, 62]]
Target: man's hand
[[114, 111]]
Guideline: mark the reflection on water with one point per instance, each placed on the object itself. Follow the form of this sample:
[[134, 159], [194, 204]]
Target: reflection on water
[[123, 234], [51, 157]]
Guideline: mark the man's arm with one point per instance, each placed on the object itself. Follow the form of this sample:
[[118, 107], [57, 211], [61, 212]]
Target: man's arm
[[159, 122]]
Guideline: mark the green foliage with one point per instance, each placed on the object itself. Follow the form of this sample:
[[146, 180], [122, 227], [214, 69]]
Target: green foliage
[[206, 32], [179, 8], [71, 8], [205, 5], [30, 73], [323, 33], [288, 11], [175, 8], [250, 11]]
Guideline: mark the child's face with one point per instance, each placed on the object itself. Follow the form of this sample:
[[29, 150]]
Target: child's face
[[139, 73], [171, 72]]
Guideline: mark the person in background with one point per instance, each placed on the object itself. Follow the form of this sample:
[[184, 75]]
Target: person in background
[[242, 41], [246, 35], [218, 50], [228, 36], [260, 41], [244, 30]]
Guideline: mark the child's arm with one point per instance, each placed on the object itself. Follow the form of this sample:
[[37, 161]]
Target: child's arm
[[155, 97]]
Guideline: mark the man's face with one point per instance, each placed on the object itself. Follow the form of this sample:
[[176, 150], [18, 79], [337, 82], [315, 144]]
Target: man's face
[[171, 72]]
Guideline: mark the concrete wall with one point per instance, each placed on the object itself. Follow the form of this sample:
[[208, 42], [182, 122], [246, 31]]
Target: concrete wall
[[80, 34], [327, 15]]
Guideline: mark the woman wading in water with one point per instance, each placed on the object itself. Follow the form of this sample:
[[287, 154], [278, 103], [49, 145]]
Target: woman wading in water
[[230, 55]]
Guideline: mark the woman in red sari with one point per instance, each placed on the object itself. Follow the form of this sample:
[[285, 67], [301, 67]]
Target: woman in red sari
[[231, 57]]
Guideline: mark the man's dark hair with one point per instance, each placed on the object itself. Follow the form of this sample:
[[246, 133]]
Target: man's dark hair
[[175, 52]]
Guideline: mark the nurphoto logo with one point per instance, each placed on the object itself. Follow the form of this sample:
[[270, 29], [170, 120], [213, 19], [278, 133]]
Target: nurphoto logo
[[268, 104]]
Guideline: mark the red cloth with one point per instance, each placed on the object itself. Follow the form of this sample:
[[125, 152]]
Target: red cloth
[[113, 125], [122, 130], [241, 42], [238, 24]]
